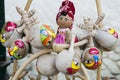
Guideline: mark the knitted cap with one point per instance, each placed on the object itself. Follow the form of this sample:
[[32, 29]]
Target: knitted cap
[[67, 7]]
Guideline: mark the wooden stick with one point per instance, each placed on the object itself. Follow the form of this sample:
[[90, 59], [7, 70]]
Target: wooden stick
[[55, 77], [22, 75], [31, 78], [99, 73], [80, 76], [106, 78], [35, 56], [49, 78], [67, 78], [80, 43], [14, 67], [85, 72], [38, 77], [99, 11], [28, 5]]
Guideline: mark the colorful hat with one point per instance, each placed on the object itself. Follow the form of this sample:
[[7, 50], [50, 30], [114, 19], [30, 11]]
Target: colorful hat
[[67, 7], [10, 26]]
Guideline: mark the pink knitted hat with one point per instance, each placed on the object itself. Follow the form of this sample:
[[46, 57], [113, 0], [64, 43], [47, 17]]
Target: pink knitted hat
[[67, 7]]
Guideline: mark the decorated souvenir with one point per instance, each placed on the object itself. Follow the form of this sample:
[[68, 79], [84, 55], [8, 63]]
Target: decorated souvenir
[[64, 19], [9, 34], [107, 38], [67, 58], [91, 58], [65, 16], [36, 36], [13, 30], [71, 63]]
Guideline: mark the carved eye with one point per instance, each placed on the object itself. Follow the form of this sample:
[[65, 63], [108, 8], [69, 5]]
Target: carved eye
[[49, 42], [3, 37], [76, 63], [88, 62], [66, 19], [61, 18], [18, 55]]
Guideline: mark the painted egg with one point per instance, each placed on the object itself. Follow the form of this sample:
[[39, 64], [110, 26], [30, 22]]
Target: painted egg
[[107, 38], [91, 58], [46, 34]]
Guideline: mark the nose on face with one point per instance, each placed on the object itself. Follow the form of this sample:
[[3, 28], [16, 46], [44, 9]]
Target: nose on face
[[96, 59], [12, 51]]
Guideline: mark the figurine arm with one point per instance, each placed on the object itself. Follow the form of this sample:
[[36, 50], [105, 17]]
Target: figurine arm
[[99, 19]]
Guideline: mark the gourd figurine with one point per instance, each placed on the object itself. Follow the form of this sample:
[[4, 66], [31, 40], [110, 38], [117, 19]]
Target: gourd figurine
[[9, 34], [66, 60], [107, 38], [37, 36], [64, 19], [57, 63], [13, 30], [91, 56]]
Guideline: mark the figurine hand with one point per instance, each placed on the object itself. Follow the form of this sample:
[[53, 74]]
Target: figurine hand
[[68, 35]]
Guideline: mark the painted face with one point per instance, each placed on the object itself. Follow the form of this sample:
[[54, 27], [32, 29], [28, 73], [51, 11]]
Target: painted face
[[17, 51], [113, 32], [7, 31], [92, 58], [64, 21], [46, 35], [75, 66]]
